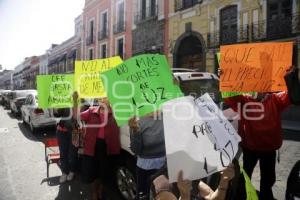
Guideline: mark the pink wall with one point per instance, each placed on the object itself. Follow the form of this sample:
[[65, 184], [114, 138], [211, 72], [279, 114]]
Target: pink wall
[[92, 10]]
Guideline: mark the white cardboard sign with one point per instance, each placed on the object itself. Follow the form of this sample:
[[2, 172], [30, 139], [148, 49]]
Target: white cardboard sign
[[199, 139]]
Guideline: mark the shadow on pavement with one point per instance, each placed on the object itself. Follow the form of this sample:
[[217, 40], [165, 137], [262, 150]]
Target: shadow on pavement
[[73, 190], [40, 136]]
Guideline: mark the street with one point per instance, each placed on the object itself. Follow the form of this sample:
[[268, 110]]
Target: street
[[23, 168]]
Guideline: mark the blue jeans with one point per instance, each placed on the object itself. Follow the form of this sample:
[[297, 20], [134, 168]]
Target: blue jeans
[[68, 152]]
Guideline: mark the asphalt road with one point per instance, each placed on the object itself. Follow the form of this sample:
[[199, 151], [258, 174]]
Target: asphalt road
[[23, 168]]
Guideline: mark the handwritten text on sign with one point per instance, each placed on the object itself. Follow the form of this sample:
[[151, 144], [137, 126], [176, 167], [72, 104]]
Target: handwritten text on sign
[[199, 136], [139, 86], [87, 76], [257, 67], [55, 91]]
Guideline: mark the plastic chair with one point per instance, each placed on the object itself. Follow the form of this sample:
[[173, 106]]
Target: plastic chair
[[52, 154]]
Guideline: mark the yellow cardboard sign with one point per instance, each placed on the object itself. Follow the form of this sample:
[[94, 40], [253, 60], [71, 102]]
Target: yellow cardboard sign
[[88, 83], [250, 190]]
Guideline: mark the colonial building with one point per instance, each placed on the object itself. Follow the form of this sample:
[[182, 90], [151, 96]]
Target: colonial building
[[150, 28], [62, 57], [6, 80], [107, 29], [199, 27], [17, 77]]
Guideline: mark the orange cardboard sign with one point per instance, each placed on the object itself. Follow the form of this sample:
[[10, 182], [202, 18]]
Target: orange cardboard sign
[[255, 67]]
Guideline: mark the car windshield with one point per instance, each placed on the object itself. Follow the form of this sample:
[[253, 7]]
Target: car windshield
[[197, 88]]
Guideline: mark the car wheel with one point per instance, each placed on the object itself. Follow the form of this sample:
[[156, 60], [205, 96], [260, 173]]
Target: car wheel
[[126, 183]]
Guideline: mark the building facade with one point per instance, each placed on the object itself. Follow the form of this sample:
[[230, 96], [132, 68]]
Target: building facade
[[107, 29], [6, 80], [17, 77], [150, 28], [62, 57], [199, 27]]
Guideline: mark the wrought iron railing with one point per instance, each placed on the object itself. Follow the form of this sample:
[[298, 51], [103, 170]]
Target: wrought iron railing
[[149, 13], [119, 27], [102, 34], [276, 29], [184, 4], [218, 38]]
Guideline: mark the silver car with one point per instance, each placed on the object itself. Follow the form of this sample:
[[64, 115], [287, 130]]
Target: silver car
[[34, 116]]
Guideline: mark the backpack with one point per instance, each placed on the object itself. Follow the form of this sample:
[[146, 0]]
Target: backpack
[[292, 82], [293, 183]]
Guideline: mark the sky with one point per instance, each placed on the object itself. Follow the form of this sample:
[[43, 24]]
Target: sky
[[29, 27]]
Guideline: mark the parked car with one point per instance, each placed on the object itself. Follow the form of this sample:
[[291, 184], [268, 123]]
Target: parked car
[[191, 83], [2, 94], [34, 116], [18, 99], [7, 97]]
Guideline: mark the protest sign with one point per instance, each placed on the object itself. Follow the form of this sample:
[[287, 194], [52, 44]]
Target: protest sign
[[199, 139], [55, 91], [87, 76], [232, 94], [255, 67], [139, 86], [250, 190]]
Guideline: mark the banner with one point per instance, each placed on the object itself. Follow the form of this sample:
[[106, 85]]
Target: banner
[[87, 80], [232, 94], [250, 189], [55, 91], [139, 86], [256, 67], [199, 139]]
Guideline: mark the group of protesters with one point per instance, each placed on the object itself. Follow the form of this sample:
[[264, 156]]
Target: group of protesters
[[260, 140]]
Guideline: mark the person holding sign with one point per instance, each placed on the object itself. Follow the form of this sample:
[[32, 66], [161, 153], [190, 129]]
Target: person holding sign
[[162, 187], [147, 142], [261, 132], [68, 152], [100, 141]]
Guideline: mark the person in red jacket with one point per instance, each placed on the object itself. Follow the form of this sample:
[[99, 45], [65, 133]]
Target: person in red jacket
[[101, 140], [261, 133]]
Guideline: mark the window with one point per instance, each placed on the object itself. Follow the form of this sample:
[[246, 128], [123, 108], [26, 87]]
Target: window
[[120, 20], [120, 47], [91, 54], [104, 25], [91, 32], [103, 51]]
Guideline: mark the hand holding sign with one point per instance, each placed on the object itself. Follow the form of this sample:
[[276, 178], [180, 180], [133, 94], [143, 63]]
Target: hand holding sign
[[139, 86], [199, 136], [55, 91], [87, 76], [256, 67]]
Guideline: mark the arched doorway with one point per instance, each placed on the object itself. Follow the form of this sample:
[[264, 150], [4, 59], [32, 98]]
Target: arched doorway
[[189, 52]]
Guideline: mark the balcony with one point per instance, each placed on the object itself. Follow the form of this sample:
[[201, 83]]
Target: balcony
[[119, 27], [90, 40], [150, 12], [276, 29], [103, 34], [185, 4], [215, 39]]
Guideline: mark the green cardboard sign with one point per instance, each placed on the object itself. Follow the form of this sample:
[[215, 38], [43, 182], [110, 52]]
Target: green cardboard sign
[[139, 86], [250, 190], [55, 91], [232, 94]]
